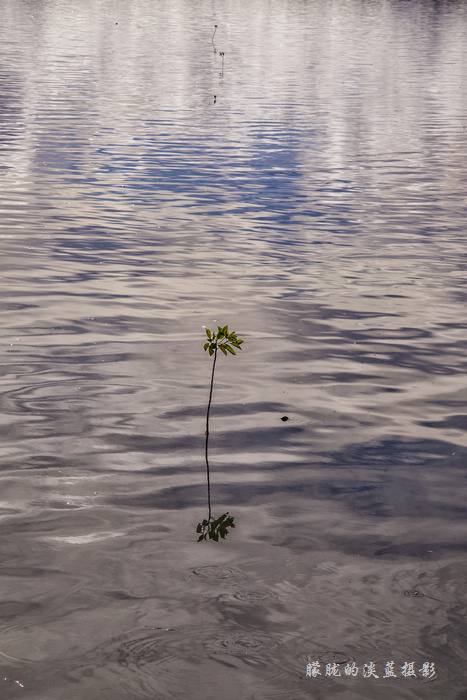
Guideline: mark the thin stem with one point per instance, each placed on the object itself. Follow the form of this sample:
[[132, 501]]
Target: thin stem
[[207, 429]]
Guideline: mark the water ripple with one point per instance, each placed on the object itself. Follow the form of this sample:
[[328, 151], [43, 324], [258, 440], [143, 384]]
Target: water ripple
[[219, 575]]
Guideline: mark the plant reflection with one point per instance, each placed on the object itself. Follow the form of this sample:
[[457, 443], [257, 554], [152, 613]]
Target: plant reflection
[[214, 528]]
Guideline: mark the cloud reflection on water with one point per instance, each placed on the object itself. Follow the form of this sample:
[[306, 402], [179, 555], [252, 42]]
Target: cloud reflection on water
[[317, 206]]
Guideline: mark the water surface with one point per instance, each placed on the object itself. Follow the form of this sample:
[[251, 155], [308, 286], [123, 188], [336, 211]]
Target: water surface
[[307, 187]]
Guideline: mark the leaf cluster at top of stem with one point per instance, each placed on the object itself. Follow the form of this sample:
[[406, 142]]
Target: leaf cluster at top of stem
[[222, 340]]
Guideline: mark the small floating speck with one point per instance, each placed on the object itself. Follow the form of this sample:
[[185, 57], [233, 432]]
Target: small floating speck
[[414, 594]]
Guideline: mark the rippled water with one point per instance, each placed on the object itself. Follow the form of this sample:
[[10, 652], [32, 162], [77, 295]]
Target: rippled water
[[297, 172]]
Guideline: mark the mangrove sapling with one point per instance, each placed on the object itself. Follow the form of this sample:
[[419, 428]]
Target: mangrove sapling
[[226, 342]]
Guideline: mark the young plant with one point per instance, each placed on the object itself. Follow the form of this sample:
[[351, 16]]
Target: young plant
[[227, 342]]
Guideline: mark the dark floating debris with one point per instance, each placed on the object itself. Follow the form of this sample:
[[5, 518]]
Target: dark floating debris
[[284, 418], [418, 594]]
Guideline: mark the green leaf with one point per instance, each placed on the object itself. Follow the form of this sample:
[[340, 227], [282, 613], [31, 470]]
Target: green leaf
[[208, 333], [222, 347], [211, 351], [232, 352]]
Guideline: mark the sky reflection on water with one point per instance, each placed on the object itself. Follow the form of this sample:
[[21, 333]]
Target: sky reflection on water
[[311, 195]]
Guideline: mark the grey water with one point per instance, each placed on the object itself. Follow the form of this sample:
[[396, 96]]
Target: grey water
[[299, 173]]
